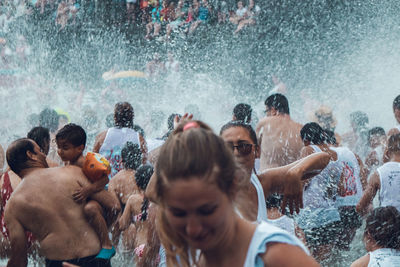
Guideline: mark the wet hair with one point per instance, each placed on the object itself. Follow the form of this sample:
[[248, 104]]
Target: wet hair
[[394, 143], [330, 137], [48, 118], [396, 103], [16, 154], [359, 118], [278, 102], [142, 177], [131, 156], [273, 201], [242, 112], [186, 153], [73, 134], [41, 136], [378, 131], [123, 115], [313, 133], [243, 125], [383, 225]]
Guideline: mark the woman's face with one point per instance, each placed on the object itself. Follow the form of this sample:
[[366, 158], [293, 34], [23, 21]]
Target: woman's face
[[199, 212], [245, 151]]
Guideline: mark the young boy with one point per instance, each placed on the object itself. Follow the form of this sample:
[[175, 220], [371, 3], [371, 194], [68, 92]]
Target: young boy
[[377, 142], [71, 141]]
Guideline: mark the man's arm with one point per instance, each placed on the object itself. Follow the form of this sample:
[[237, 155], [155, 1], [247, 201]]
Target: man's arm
[[363, 173], [374, 185], [99, 141], [18, 241], [288, 179]]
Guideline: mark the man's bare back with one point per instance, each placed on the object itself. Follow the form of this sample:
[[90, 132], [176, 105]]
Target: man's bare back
[[43, 205], [280, 141], [123, 185]]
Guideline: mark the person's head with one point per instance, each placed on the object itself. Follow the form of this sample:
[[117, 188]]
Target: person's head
[[195, 185], [276, 104], [48, 118], [383, 228], [393, 145], [358, 119], [376, 136], [131, 156], [273, 201], [143, 175], [240, 4], [312, 134], [23, 154], [324, 117], [123, 115], [242, 112], [330, 137], [41, 136], [242, 138], [396, 108], [71, 141]]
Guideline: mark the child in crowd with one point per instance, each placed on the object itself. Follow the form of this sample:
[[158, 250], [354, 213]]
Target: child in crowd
[[377, 143], [71, 141], [381, 238], [284, 222]]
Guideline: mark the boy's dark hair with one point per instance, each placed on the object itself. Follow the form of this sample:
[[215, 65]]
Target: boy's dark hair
[[72, 133], [313, 133], [278, 102], [383, 225], [330, 137], [396, 103], [242, 112], [142, 177], [273, 201], [123, 115], [131, 156], [241, 124], [41, 136], [48, 118], [16, 154]]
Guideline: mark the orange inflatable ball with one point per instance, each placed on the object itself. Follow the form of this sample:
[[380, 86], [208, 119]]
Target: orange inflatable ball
[[95, 166]]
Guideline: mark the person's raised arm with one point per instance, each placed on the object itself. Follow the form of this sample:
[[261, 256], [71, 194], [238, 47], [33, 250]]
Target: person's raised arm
[[288, 179], [143, 148], [18, 240], [373, 186]]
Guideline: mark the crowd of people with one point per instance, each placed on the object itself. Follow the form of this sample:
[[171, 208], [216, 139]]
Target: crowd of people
[[196, 197]]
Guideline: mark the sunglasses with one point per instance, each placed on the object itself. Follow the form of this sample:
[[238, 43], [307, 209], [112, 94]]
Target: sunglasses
[[243, 148]]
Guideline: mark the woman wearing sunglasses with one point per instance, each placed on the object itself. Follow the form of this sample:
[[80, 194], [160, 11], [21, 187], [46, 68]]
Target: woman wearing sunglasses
[[197, 180], [251, 199]]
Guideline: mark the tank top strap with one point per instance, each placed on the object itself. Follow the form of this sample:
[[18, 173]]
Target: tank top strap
[[262, 207]]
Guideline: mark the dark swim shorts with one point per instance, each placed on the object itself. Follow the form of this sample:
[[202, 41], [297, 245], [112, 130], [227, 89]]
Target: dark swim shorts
[[90, 261]]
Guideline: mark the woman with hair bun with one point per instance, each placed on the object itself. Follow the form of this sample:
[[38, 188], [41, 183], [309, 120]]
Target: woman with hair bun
[[381, 239]]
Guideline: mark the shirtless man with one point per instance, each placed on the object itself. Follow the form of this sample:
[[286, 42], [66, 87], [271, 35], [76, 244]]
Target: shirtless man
[[43, 205], [278, 134], [396, 111]]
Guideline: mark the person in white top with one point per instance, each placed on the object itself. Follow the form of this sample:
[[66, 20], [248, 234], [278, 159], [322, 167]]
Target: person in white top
[[196, 180], [386, 179], [396, 112], [381, 239], [109, 143]]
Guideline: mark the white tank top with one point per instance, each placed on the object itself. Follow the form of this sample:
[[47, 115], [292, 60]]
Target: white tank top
[[389, 175], [284, 223], [315, 194], [115, 140], [262, 207], [384, 257], [351, 172]]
